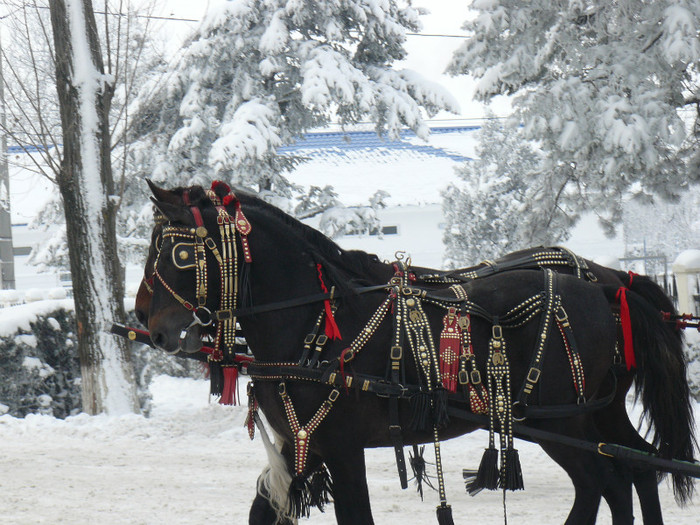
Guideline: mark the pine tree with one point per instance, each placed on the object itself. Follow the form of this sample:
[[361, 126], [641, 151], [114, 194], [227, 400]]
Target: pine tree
[[487, 211], [258, 75], [606, 89]]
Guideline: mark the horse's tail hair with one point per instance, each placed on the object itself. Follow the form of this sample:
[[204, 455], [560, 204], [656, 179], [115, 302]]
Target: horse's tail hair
[[661, 380], [275, 479]]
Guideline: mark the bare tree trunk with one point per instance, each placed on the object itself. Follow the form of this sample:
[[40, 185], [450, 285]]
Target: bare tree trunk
[[87, 188]]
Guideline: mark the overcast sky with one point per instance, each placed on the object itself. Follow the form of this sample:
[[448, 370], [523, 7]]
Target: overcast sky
[[428, 55]]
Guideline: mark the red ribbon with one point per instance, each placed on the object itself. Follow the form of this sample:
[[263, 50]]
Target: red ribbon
[[229, 395], [621, 297], [332, 330]]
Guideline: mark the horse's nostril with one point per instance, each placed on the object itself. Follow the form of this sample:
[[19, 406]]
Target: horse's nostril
[[158, 339]]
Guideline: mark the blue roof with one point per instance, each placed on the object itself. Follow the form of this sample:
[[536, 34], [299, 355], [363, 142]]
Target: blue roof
[[336, 145], [339, 144], [27, 149]]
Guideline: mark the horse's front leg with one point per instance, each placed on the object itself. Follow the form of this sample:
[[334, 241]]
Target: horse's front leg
[[347, 469], [262, 511], [270, 505]]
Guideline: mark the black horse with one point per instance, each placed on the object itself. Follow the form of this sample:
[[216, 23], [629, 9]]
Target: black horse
[[285, 266]]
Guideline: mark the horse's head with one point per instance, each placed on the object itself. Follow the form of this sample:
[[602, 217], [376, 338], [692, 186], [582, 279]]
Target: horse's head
[[181, 286], [145, 291]]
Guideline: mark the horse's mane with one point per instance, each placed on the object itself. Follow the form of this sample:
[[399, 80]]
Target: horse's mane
[[355, 263]]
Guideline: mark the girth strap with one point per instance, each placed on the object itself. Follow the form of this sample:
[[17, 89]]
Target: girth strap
[[533, 375], [395, 373]]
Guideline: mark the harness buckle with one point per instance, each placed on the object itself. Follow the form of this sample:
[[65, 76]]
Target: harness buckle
[[497, 331], [463, 377], [534, 375], [396, 353], [475, 377], [333, 395], [562, 316], [395, 430], [224, 315]]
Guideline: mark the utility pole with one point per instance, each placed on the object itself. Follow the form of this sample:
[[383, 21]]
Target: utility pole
[[7, 258]]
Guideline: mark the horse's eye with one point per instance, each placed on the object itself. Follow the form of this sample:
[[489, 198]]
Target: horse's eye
[[183, 256]]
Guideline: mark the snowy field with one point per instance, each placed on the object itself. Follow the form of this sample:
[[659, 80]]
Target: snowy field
[[192, 463]]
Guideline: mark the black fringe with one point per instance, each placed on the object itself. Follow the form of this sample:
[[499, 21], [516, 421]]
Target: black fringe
[[513, 475], [487, 475], [421, 412], [299, 497], [216, 378], [441, 417], [418, 466], [444, 515], [469, 476], [320, 489]]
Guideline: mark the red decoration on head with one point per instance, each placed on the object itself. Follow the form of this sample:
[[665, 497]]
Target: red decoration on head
[[332, 330], [220, 186], [228, 199], [632, 275]]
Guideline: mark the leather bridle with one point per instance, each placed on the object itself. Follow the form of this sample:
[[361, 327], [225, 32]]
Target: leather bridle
[[189, 251]]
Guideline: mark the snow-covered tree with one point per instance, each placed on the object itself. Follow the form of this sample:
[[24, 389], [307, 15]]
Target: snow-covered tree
[[87, 189], [258, 75], [33, 119], [489, 211], [608, 89]]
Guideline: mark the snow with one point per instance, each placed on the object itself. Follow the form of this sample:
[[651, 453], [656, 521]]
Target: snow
[[687, 261], [192, 462], [19, 317]]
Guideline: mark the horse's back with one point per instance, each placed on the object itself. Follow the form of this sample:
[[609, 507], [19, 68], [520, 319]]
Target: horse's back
[[583, 329]]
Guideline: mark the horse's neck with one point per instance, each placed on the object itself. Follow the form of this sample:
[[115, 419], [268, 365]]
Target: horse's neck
[[282, 271]]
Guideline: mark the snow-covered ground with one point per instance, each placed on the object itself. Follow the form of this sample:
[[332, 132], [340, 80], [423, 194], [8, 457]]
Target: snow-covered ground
[[192, 463]]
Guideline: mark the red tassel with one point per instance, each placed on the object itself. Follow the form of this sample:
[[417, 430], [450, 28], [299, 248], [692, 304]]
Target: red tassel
[[230, 393], [450, 339], [332, 330], [621, 296]]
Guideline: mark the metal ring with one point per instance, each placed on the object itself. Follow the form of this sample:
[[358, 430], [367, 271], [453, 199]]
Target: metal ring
[[198, 320], [520, 406]]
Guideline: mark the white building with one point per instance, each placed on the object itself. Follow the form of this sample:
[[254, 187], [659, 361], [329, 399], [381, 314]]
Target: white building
[[357, 164]]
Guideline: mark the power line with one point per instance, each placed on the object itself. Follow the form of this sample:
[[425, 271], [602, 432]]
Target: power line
[[194, 20]]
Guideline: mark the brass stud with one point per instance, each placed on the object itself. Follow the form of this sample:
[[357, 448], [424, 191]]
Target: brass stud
[[184, 255]]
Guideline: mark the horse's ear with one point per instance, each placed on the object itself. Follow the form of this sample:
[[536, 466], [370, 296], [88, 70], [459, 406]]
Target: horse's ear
[[173, 212], [163, 195]]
